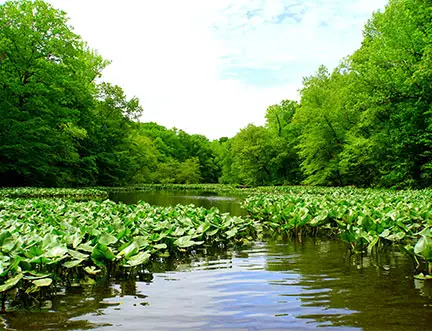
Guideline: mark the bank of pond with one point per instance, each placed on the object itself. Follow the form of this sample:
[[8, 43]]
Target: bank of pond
[[55, 239]]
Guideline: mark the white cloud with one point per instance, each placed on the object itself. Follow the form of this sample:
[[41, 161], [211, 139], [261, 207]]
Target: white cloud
[[171, 54]]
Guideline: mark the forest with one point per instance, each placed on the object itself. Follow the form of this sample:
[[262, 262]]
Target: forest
[[366, 123]]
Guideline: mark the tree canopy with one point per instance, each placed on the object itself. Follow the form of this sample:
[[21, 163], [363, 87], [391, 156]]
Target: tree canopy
[[368, 122]]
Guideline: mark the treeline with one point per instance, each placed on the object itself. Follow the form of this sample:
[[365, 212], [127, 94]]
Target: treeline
[[61, 126], [366, 123]]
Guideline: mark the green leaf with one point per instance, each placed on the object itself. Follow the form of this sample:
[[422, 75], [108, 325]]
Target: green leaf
[[87, 281], [101, 253], [203, 227], [231, 233], [424, 247], [123, 233], [160, 246], [92, 270], [141, 241], [85, 248], [77, 255], [31, 275], [10, 283], [421, 276], [42, 282], [129, 250], [140, 258], [186, 241], [373, 243], [385, 234], [72, 264], [178, 232], [58, 251], [107, 239], [212, 232], [3, 236], [9, 244]]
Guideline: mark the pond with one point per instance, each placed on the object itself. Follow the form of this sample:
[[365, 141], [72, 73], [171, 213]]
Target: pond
[[269, 286], [225, 202]]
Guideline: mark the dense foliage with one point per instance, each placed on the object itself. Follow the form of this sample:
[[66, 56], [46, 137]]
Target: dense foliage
[[61, 126], [59, 241], [366, 123], [364, 219], [76, 194]]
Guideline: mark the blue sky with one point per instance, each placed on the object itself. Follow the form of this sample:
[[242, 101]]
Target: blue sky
[[213, 66]]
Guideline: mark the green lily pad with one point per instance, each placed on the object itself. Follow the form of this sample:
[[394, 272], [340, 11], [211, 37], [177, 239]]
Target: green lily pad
[[10, 283]]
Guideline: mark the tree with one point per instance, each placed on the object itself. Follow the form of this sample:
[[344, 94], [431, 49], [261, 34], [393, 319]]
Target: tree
[[189, 172], [392, 140], [47, 78], [284, 134], [199, 147], [112, 137], [324, 121], [252, 152]]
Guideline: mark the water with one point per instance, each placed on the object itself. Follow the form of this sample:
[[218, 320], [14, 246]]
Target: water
[[226, 203], [269, 286]]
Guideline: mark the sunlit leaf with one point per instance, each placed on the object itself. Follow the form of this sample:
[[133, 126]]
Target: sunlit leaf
[[140, 258], [10, 283]]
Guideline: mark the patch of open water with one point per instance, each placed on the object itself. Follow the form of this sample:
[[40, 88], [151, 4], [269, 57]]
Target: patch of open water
[[226, 203]]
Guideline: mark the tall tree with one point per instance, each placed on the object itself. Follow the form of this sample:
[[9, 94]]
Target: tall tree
[[252, 151], [324, 121], [47, 78], [284, 134], [111, 136], [392, 141]]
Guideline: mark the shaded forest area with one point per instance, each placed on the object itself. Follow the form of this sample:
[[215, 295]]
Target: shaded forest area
[[366, 123]]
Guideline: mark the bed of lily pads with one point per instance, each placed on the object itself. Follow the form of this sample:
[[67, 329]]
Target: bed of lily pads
[[365, 219], [50, 237], [34, 192], [58, 241]]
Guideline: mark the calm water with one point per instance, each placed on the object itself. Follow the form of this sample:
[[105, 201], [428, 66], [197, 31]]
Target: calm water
[[270, 286], [226, 203]]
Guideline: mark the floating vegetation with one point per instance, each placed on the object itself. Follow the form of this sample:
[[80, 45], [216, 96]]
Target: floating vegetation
[[45, 242], [49, 242], [174, 187], [364, 219], [34, 192]]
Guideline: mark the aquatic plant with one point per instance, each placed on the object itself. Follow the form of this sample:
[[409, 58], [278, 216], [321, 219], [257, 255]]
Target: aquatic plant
[[35, 192], [364, 219], [44, 242]]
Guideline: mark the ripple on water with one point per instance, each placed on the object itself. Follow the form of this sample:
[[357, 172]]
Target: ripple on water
[[272, 286]]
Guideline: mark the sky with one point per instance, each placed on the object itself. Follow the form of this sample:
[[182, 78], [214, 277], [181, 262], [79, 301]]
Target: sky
[[212, 67]]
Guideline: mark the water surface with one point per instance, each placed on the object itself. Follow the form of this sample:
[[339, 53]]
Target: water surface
[[225, 202], [269, 286]]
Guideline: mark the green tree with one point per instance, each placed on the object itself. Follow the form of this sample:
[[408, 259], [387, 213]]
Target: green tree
[[198, 146], [189, 172], [177, 148], [392, 140], [324, 121], [47, 78], [284, 134], [111, 139], [252, 152]]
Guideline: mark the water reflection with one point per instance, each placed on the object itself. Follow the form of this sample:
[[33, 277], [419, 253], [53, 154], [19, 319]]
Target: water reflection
[[271, 286], [226, 203]]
